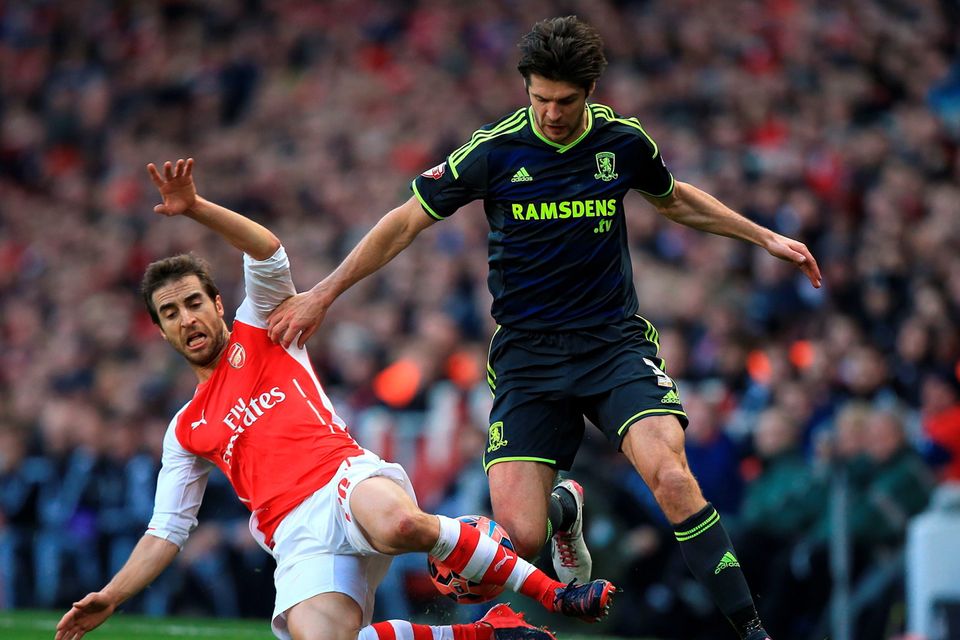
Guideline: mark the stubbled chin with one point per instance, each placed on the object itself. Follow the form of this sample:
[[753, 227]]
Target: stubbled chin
[[207, 355], [558, 135]]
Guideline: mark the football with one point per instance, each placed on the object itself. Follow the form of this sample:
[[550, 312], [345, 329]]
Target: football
[[455, 586]]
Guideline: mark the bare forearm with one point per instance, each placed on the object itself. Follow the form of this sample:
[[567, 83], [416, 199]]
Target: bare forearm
[[391, 235], [697, 209], [147, 561], [243, 233], [300, 315]]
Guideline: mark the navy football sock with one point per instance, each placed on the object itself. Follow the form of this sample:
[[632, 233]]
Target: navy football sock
[[711, 558]]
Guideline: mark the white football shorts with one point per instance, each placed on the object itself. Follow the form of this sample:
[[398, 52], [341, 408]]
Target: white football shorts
[[319, 548]]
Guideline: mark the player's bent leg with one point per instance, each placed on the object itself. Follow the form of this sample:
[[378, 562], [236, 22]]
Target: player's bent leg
[[519, 494], [390, 519], [476, 556], [327, 616], [654, 445], [390, 523]]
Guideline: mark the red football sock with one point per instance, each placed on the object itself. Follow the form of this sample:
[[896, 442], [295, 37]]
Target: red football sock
[[480, 558], [403, 630]]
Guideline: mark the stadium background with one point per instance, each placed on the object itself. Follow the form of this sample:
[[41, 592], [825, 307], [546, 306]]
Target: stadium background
[[835, 122]]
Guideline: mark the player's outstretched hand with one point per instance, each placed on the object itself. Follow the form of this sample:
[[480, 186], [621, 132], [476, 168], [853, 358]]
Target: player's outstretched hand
[[86, 615], [300, 314], [175, 185], [796, 252]]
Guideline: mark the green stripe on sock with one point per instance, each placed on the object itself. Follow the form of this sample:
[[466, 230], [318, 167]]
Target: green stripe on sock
[[683, 536]]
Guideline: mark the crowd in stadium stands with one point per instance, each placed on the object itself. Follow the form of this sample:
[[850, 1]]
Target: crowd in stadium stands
[[834, 122]]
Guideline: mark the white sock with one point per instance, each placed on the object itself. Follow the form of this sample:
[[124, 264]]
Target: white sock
[[449, 535]]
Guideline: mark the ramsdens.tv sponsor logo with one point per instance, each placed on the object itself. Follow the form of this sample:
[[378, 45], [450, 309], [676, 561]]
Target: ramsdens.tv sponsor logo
[[567, 209]]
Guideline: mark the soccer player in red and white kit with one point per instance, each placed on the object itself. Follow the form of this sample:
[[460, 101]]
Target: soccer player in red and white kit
[[331, 513]]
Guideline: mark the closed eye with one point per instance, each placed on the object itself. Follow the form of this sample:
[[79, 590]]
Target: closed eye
[[566, 100]]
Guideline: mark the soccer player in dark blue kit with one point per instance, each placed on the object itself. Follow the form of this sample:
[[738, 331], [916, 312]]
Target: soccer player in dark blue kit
[[569, 343]]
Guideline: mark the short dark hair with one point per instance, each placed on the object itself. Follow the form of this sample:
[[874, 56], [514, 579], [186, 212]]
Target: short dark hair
[[563, 50], [174, 268]]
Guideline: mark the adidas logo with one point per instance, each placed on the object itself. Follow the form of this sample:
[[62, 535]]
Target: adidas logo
[[670, 398], [521, 176], [728, 560]]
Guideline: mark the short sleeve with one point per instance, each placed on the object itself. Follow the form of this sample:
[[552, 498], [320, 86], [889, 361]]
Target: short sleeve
[[651, 176], [448, 186]]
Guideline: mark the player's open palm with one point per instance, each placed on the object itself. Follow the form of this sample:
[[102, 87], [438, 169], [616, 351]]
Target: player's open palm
[[86, 615], [175, 185]]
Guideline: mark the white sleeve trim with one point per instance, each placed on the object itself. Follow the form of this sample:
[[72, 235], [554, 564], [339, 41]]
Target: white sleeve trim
[[267, 283], [180, 486]]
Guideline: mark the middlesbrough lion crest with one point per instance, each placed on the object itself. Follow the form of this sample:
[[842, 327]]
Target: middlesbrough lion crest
[[606, 166]]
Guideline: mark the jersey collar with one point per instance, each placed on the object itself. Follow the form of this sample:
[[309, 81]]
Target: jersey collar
[[561, 148]]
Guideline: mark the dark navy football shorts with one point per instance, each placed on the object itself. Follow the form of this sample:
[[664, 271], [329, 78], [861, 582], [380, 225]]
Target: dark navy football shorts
[[545, 383]]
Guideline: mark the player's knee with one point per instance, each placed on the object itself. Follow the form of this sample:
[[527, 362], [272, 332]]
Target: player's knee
[[529, 548], [410, 531], [405, 525], [526, 537]]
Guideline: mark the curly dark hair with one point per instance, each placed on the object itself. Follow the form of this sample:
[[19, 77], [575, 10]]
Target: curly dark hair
[[563, 49], [171, 269]]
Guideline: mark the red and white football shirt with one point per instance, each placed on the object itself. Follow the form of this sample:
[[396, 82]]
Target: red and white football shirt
[[262, 418]]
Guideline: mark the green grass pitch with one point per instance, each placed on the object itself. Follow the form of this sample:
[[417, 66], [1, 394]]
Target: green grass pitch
[[34, 625], [40, 625]]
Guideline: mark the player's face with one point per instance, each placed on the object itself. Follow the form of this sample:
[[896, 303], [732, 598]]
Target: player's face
[[558, 108], [191, 321]]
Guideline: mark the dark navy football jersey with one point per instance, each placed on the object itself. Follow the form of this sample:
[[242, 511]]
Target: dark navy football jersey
[[558, 250]]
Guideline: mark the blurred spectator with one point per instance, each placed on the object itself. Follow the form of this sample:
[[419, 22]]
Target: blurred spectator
[[780, 503], [67, 537], [843, 444], [899, 487], [712, 454], [126, 480], [887, 484], [21, 477], [940, 411]]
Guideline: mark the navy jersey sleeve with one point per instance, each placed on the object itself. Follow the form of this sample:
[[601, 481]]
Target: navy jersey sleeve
[[448, 186], [651, 175]]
